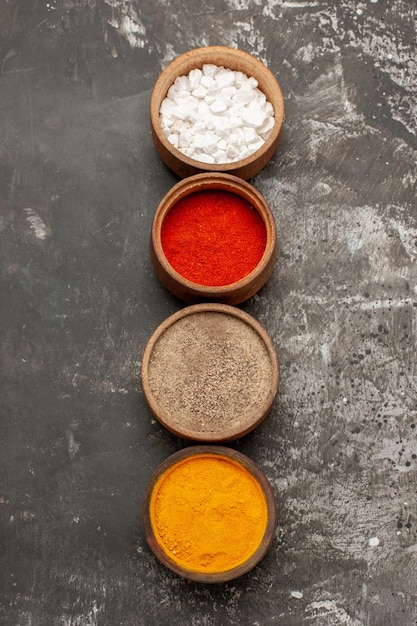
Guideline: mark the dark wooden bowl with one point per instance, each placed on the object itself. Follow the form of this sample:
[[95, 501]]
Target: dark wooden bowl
[[191, 292], [254, 471], [210, 373], [235, 60]]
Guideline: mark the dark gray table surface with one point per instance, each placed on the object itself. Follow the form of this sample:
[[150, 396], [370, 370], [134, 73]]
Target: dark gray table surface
[[79, 183]]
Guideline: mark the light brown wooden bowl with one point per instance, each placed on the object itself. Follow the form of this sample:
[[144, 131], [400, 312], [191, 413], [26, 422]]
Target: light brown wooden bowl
[[255, 472], [235, 60], [191, 292], [210, 373]]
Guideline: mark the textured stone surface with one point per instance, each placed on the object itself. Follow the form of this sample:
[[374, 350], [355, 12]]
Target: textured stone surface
[[79, 183]]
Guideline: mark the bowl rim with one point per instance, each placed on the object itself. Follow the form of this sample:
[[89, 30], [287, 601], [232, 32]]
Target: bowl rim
[[211, 181], [209, 54], [256, 473], [223, 435]]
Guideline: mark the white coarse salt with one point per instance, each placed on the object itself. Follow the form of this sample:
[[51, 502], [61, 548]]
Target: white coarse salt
[[205, 158], [209, 83], [250, 135], [252, 116], [185, 139], [266, 127], [194, 78], [183, 84], [229, 91], [216, 115], [209, 69], [209, 99], [219, 105], [167, 107], [224, 79], [243, 95], [220, 126], [199, 92], [240, 78], [232, 152]]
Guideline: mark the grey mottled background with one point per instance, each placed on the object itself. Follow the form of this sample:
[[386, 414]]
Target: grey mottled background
[[79, 182]]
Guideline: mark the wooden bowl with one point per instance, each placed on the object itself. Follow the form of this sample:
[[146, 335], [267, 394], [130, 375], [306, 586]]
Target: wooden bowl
[[210, 373], [233, 293], [190, 533], [235, 60]]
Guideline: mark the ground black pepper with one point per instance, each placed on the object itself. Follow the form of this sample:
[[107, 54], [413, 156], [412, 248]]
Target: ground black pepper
[[210, 372]]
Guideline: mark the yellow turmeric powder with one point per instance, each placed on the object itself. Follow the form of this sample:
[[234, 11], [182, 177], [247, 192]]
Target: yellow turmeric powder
[[208, 513]]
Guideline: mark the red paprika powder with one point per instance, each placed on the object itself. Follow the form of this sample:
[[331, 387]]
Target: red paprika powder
[[213, 237]]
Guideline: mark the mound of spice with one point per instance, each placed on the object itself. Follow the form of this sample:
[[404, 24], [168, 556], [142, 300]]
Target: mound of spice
[[210, 372], [213, 237], [216, 115], [208, 513]]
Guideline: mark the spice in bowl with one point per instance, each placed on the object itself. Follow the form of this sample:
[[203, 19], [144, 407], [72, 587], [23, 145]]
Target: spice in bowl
[[216, 109], [213, 237], [209, 513], [216, 115], [210, 373]]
